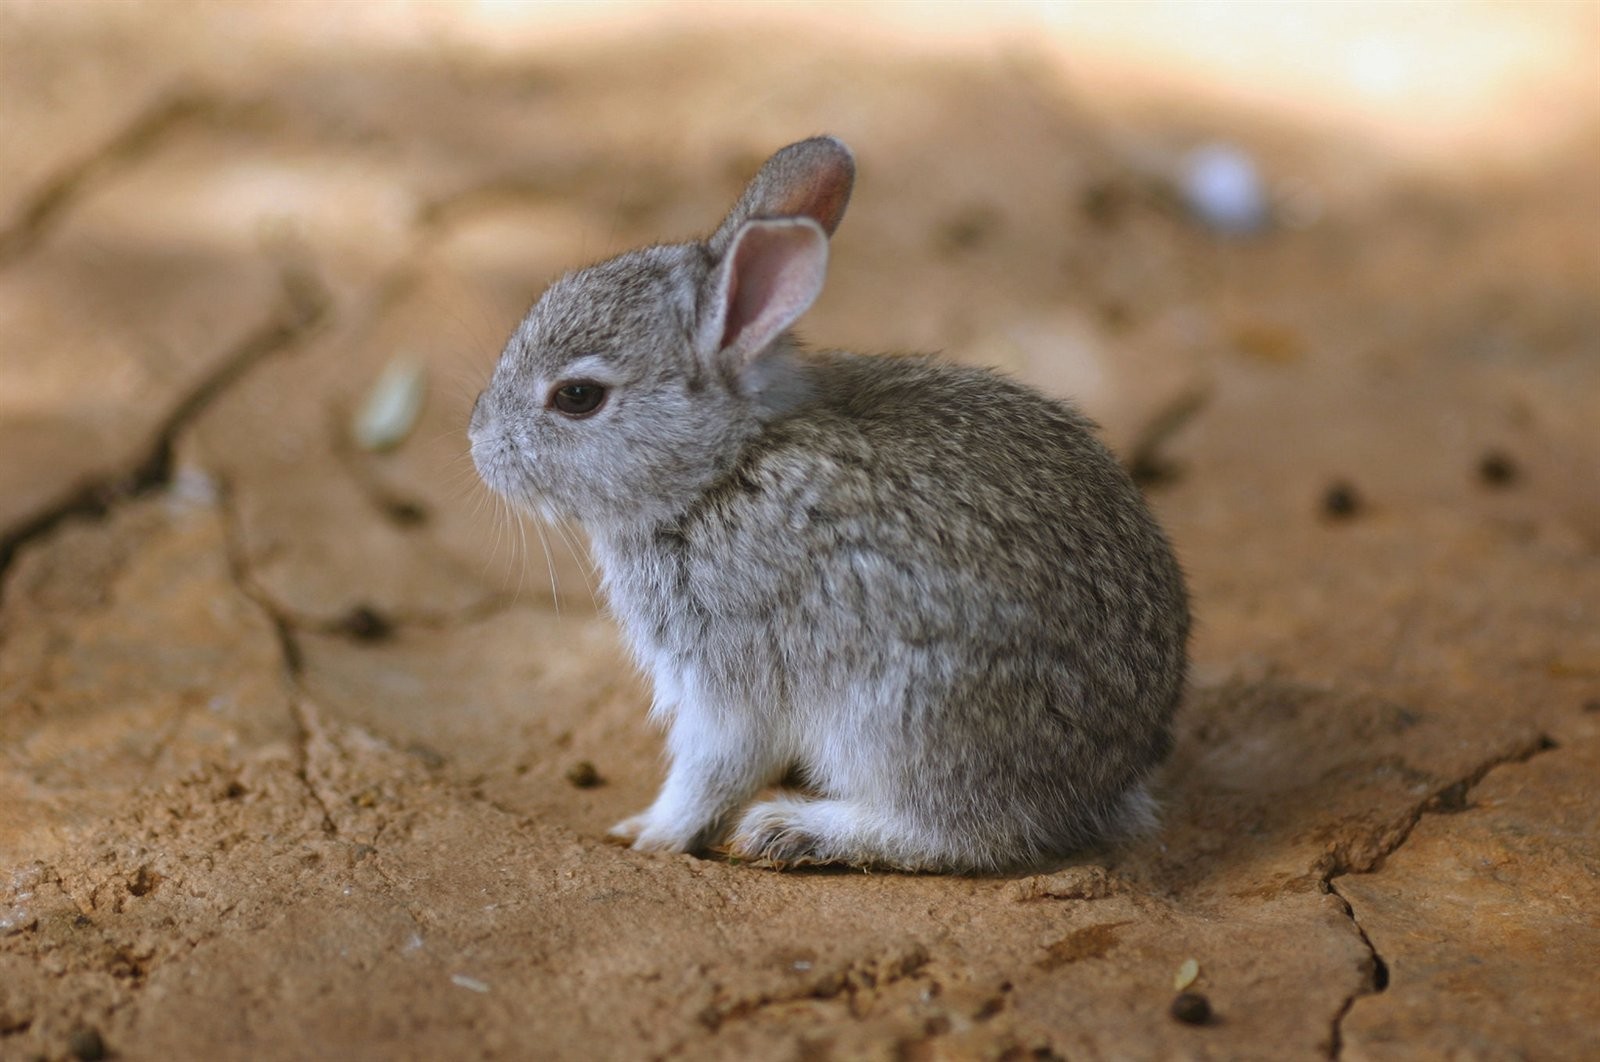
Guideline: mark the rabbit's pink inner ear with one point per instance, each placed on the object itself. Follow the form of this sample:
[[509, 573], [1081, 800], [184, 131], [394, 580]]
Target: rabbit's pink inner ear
[[774, 273]]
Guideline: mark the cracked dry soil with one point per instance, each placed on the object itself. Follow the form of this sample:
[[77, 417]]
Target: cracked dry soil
[[288, 731]]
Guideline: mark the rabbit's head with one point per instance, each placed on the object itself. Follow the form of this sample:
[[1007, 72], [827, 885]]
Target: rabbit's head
[[631, 385]]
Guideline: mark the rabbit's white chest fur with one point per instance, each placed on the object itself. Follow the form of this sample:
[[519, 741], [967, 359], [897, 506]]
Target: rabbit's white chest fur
[[738, 670]]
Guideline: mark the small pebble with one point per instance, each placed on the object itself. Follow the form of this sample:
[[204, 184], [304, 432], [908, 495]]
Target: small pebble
[[1340, 501], [1104, 203], [583, 775], [1268, 342], [406, 513], [392, 406], [366, 624], [1497, 469], [471, 984], [85, 1043], [1223, 188], [1191, 1008], [970, 228]]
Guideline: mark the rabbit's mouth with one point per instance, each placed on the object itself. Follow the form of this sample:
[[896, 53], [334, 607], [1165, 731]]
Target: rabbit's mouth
[[491, 458], [524, 500], [498, 463]]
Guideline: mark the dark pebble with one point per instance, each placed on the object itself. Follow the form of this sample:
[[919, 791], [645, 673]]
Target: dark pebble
[[583, 775], [366, 624], [970, 228], [1117, 316], [1104, 203], [1340, 501], [407, 513], [1497, 469], [1191, 1008], [85, 1044]]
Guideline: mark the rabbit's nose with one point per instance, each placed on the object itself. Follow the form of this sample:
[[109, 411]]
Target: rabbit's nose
[[479, 419]]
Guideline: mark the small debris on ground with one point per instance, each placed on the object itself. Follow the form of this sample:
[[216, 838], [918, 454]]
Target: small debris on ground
[[1268, 342], [366, 624], [1186, 974], [431, 757], [1222, 187], [406, 513], [85, 1043], [583, 775], [1497, 469], [392, 406], [970, 228], [1341, 501], [1191, 1008]]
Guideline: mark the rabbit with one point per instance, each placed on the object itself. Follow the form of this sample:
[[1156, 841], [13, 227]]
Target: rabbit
[[925, 591]]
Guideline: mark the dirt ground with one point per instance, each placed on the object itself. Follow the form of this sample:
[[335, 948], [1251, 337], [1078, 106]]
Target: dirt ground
[[291, 732]]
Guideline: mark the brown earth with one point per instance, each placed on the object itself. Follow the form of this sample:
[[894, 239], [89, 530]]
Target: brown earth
[[287, 729]]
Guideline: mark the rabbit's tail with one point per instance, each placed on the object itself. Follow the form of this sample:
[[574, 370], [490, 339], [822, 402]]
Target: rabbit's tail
[[1133, 814]]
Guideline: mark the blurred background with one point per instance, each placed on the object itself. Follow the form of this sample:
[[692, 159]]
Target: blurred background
[[1374, 224]]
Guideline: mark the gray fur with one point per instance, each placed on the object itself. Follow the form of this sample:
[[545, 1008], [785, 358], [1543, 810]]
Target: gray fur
[[926, 589]]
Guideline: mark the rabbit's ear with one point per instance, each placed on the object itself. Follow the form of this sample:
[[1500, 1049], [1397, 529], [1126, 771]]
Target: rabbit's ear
[[770, 275], [810, 179]]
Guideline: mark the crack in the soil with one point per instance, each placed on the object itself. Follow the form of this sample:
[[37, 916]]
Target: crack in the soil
[[310, 730], [865, 975], [239, 573], [438, 216], [364, 623], [134, 141], [1146, 461], [303, 308], [1445, 800], [1375, 979]]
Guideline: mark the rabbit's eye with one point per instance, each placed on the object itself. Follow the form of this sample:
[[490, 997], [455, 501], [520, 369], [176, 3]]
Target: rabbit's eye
[[576, 398]]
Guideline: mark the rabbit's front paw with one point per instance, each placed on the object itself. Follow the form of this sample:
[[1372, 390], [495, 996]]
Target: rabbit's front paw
[[646, 832], [780, 832], [628, 830]]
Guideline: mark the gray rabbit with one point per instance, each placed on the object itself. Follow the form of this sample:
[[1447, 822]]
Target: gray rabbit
[[925, 591]]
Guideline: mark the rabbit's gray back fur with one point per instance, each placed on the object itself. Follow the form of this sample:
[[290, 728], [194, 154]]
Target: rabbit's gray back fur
[[921, 551]]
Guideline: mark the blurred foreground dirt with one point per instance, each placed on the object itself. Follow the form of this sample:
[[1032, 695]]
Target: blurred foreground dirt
[[286, 728]]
